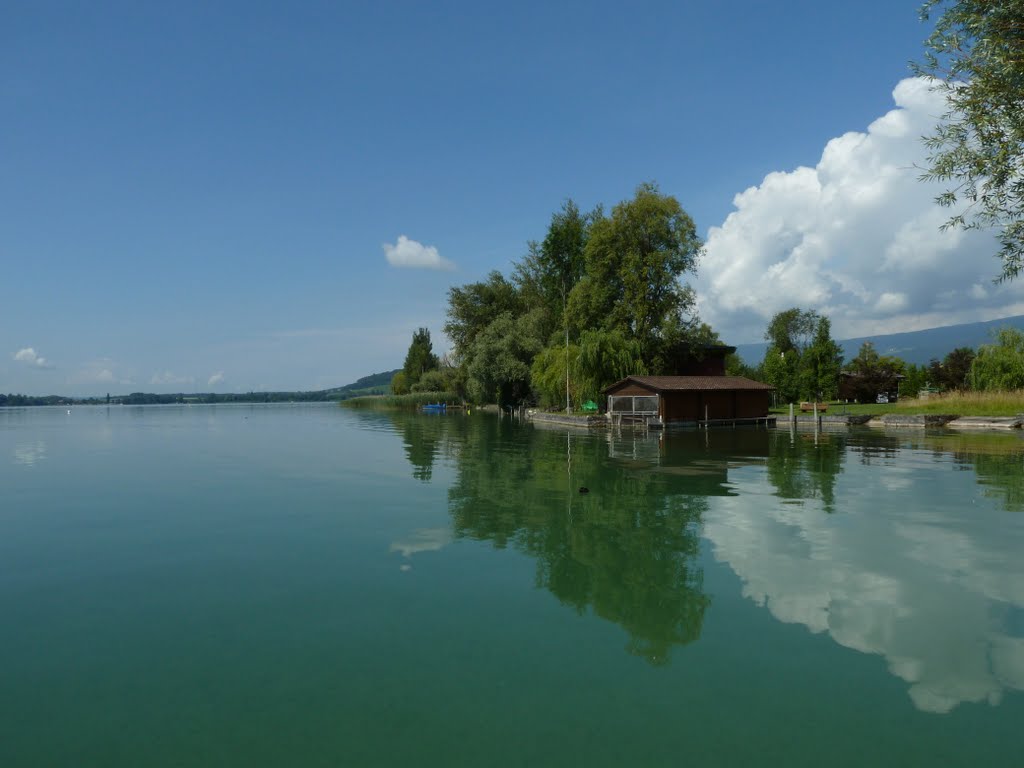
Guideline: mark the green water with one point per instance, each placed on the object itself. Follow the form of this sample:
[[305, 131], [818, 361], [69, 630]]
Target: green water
[[311, 586]]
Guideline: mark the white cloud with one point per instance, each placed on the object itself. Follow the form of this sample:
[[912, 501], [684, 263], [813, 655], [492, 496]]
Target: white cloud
[[168, 378], [890, 303], [216, 379], [103, 371], [29, 356], [856, 237], [410, 254]]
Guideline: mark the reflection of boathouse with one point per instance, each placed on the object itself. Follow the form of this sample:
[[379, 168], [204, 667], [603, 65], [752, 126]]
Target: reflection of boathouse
[[689, 399]]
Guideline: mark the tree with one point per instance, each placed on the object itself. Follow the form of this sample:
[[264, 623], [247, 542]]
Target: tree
[[498, 362], [872, 373], [682, 345], [916, 378], [473, 307], [548, 374], [821, 363], [420, 358], [974, 56], [634, 259], [431, 381], [399, 384], [802, 360], [554, 266], [781, 370], [953, 372], [1000, 366], [792, 330], [606, 357]]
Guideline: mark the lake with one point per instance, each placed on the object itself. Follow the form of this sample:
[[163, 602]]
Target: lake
[[310, 585]]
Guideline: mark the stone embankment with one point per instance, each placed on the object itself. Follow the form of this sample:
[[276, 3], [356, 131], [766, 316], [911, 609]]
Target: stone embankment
[[988, 422], [836, 420], [568, 419], [914, 421]]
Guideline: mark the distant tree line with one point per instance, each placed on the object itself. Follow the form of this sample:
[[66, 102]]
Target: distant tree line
[[375, 384], [802, 362]]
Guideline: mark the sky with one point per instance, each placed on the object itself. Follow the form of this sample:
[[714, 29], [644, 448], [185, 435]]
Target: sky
[[251, 196]]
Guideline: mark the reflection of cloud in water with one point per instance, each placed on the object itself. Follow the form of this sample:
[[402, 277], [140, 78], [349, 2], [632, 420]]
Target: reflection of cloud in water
[[29, 453], [423, 540], [934, 595]]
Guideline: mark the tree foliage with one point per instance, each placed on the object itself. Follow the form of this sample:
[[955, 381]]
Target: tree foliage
[[1000, 366], [792, 330], [608, 287], [634, 261], [431, 381], [802, 362], [420, 358], [553, 267], [872, 373], [975, 57], [782, 372], [399, 384], [498, 363], [821, 363], [953, 373], [473, 307], [917, 377]]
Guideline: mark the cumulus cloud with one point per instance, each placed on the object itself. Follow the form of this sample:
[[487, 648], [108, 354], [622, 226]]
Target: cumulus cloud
[[216, 379], [856, 237], [169, 378], [30, 357], [410, 254], [103, 370]]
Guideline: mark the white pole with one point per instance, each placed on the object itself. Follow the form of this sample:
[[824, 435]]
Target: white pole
[[565, 321]]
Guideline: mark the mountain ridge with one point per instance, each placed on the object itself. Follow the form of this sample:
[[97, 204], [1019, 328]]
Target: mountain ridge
[[917, 347]]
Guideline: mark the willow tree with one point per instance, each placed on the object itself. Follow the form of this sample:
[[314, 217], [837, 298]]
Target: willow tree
[[976, 57], [635, 259]]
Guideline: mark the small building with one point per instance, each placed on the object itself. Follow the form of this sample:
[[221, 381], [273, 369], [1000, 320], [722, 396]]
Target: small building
[[689, 399]]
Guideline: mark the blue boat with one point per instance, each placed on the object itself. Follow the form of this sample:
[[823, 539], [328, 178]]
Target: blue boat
[[434, 407]]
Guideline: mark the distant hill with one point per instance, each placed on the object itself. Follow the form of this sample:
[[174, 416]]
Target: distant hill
[[915, 347], [374, 384]]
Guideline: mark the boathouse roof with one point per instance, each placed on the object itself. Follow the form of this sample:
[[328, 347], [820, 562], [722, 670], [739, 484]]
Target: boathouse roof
[[690, 383]]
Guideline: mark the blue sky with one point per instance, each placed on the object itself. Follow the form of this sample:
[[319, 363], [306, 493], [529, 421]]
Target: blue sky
[[198, 196]]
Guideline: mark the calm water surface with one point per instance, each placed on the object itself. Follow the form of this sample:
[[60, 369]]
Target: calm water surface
[[312, 586]]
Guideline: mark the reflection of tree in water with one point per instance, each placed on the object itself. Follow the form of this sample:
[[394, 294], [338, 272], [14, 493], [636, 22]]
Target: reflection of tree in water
[[1003, 477], [422, 436], [997, 460], [805, 466], [626, 549]]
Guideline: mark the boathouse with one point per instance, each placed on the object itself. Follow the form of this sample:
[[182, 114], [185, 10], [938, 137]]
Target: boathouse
[[689, 399]]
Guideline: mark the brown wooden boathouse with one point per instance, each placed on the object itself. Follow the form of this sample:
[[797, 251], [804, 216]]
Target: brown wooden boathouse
[[689, 399]]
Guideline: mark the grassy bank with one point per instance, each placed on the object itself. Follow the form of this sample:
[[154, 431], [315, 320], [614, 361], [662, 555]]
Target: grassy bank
[[967, 404], [951, 403], [401, 402]]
